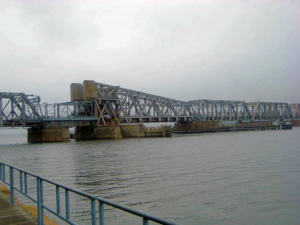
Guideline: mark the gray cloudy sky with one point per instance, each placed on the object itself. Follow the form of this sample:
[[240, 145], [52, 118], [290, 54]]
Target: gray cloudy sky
[[208, 49]]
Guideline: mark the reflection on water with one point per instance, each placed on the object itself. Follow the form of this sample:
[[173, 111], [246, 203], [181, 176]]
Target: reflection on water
[[221, 178]]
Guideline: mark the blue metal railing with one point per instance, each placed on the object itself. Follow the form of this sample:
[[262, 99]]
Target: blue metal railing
[[39, 200]]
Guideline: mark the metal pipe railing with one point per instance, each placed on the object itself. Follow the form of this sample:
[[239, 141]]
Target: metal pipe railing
[[39, 200]]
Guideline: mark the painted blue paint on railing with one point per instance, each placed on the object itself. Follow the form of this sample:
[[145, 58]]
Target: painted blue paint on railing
[[23, 189]]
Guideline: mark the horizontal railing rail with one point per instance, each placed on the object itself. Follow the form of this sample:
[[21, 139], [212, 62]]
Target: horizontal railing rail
[[23, 188]]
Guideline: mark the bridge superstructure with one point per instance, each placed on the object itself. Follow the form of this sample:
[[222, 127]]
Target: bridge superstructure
[[100, 103], [203, 110], [19, 109], [270, 111], [135, 106]]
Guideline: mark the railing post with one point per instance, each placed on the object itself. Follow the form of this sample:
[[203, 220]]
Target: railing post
[[25, 183], [21, 181], [67, 204], [101, 212], [93, 210], [1, 171], [57, 200], [42, 201], [145, 221], [39, 201], [11, 183]]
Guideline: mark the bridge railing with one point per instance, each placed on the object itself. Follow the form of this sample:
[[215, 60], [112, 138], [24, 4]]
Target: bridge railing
[[23, 187]]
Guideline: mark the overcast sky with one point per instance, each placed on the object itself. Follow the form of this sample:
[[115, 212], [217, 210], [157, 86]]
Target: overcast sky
[[208, 49]]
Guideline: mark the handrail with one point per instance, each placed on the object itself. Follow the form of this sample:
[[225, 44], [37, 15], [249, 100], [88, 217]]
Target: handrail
[[23, 189]]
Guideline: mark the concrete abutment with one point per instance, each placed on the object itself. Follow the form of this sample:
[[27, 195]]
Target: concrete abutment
[[39, 134]]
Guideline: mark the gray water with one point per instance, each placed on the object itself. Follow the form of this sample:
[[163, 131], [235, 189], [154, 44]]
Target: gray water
[[220, 178]]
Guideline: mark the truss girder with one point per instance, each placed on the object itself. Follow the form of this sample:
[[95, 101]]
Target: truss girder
[[69, 110], [138, 106], [269, 111], [219, 110], [19, 108], [133, 106]]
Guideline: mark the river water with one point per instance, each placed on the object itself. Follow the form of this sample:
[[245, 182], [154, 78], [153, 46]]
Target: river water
[[218, 178]]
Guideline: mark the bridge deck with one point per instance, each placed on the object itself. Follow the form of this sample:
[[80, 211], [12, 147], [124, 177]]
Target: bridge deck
[[14, 214]]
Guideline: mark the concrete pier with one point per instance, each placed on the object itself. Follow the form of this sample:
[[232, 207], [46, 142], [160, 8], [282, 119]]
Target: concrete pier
[[139, 130], [296, 123], [162, 131], [97, 132], [133, 130], [120, 131], [48, 135]]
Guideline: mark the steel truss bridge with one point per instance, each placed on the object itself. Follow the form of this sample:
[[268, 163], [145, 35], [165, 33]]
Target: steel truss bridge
[[128, 106]]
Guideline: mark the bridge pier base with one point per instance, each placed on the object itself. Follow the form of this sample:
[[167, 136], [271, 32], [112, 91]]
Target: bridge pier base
[[296, 123], [48, 134], [97, 132], [133, 130]]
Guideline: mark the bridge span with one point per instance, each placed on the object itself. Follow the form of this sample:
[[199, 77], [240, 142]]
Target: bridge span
[[98, 104]]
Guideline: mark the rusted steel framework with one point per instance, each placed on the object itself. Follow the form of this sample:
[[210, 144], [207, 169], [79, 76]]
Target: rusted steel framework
[[135, 106], [19, 109], [219, 110], [269, 111], [295, 110]]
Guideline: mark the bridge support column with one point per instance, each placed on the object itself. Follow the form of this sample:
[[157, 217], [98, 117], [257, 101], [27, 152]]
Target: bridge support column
[[97, 132], [48, 135]]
